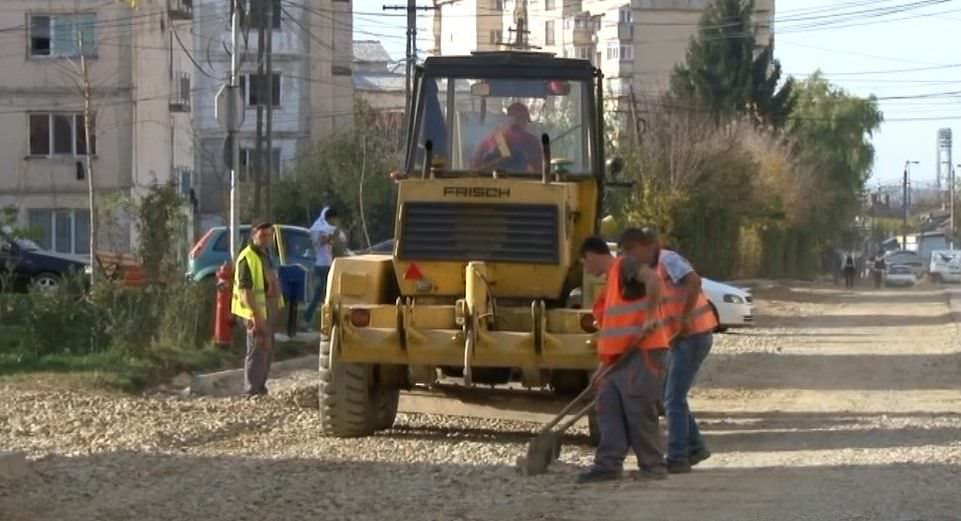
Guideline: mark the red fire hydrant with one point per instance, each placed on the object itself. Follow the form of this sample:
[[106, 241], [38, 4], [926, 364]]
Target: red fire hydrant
[[223, 319]]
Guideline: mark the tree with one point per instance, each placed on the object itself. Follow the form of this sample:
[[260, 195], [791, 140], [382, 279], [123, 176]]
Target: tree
[[722, 75], [830, 131], [346, 171]]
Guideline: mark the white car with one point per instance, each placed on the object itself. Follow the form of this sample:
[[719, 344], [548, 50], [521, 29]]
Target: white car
[[945, 266], [900, 276], [734, 306]]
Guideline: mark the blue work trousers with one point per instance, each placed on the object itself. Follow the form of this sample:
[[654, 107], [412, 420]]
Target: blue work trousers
[[684, 361], [320, 291]]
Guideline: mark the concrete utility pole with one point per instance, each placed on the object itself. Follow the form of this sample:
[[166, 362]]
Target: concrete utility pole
[[233, 129], [412, 9], [88, 126], [268, 208], [906, 204], [258, 10]]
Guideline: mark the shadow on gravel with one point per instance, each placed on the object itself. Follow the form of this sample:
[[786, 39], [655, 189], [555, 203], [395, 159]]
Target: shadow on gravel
[[849, 321], [935, 296], [791, 438], [405, 432], [861, 372], [128, 485]]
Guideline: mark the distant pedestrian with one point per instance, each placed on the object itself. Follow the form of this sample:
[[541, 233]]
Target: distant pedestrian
[[849, 272], [878, 270], [256, 299], [323, 233]]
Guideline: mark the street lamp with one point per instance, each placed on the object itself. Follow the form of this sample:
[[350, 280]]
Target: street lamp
[[904, 229]]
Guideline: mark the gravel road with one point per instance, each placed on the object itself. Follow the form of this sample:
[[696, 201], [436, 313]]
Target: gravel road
[[839, 406]]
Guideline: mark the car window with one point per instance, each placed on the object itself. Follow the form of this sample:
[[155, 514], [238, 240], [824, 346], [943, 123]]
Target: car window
[[298, 244], [223, 240]]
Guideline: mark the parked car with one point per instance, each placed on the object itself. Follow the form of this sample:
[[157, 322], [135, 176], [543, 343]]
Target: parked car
[[945, 266], [906, 258], [24, 265], [900, 275], [293, 246], [733, 307]]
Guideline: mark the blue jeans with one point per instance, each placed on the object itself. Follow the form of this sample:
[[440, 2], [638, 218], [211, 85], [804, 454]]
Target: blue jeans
[[320, 291], [685, 358]]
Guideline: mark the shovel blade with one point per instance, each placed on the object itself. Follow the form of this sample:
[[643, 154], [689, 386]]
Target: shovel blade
[[541, 452]]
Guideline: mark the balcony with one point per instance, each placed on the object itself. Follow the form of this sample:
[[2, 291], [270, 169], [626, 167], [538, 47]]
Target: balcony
[[584, 36], [180, 93], [625, 31], [180, 9]]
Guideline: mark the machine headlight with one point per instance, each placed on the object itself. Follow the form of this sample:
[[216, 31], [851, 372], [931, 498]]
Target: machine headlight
[[733, 299]]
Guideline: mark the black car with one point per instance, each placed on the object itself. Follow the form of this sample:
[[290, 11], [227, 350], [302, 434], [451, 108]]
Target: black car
[[24, 265]]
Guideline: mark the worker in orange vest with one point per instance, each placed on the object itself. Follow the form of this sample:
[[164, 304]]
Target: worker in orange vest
[[690, 323], [632, 346]]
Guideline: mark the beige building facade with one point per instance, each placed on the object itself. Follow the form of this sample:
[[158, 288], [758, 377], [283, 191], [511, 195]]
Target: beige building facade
[[636, 43], [312, 96], [141, 125]]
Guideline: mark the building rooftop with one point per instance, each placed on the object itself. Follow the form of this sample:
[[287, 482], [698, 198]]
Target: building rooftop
[[379, 82], [370, 51]]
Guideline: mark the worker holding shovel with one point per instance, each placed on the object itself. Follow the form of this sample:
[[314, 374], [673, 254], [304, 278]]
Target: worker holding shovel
[[632, 346]]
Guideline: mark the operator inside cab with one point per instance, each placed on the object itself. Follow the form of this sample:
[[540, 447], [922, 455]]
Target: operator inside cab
[[510, 147]]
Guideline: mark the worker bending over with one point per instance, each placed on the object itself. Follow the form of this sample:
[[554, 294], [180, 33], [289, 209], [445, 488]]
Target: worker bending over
[[690, 322], [632, 347]]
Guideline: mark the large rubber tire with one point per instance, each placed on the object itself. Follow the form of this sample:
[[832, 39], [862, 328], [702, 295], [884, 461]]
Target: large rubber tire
[[351, 402], [385, 408]]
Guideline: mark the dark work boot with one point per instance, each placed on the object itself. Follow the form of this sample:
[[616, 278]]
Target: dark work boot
[[678, 467], [698, 456], [595, 475]]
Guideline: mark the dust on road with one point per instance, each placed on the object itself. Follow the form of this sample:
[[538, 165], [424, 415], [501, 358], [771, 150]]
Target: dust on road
[[839, 406]]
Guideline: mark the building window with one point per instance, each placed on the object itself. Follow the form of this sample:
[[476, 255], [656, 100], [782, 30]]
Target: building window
[[257, 93], [252, 21], [247, 163], [549, 5], [549, 32], [58, 135], [63, 36], [616, 51], [63, 231], [497, 5], [584, 53], [625, 16], [495, 37]]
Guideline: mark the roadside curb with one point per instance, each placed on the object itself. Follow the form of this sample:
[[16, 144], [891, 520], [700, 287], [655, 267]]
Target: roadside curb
[[230, 382]]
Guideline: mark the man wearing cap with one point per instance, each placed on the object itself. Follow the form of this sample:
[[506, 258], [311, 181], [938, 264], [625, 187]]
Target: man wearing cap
[[510, 147], [256, 298], [690, 324]]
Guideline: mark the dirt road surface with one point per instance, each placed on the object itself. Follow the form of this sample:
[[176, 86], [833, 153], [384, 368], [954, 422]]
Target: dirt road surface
[[839, 406]]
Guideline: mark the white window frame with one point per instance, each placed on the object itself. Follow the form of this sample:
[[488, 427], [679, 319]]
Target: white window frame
[[72, 212], [247, 156], [246, 90], [613, 50], [550, 32], [277, 22], [75, 131], [88, 52]]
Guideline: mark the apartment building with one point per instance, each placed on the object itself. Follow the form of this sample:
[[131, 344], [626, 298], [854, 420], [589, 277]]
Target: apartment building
[[141, 125], [312, 90], [636, 43], [376, 82]]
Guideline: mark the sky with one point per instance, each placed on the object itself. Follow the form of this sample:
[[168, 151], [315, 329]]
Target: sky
[[869, 53]]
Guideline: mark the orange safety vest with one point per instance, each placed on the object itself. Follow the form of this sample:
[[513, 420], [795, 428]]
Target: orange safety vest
[[621, 321], [673, 296]]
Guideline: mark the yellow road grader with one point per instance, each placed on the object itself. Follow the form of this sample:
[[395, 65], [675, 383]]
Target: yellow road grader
[[478, 288]]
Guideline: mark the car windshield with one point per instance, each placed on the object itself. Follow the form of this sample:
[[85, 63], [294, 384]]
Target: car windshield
[[26, 244], [482, 125]]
